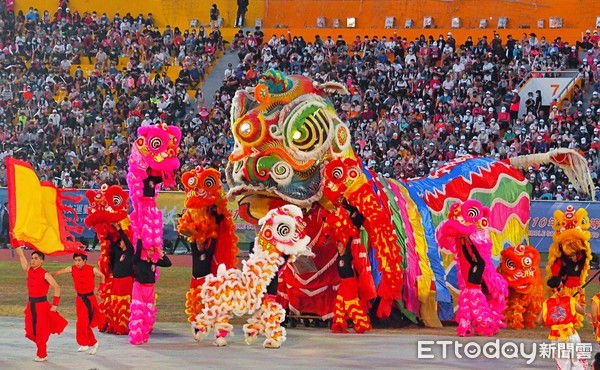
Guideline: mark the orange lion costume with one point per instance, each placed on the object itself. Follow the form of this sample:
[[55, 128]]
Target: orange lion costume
[[206, 220], [570, 253], [520, 267]]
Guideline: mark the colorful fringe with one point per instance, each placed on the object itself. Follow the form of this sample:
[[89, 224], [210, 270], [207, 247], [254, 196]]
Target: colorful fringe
[[522, 310], [383, 239], [146, 218], [267, 320]]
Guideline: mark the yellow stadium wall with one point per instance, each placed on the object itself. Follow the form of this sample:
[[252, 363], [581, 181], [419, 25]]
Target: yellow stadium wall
[[578, 14], [172, 12], [372, 13], [300, 15]]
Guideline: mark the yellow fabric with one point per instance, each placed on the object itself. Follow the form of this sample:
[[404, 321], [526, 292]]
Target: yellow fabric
[[511, 235], [36, 220], [596, 301], [565, 331], [424, 281]]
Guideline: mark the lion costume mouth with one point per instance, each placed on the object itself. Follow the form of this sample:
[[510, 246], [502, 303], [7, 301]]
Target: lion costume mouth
[[260, 197], [523, 288]]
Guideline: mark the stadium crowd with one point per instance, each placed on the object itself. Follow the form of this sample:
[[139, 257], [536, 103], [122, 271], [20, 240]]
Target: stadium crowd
[[76, 125], [413, 104], [416, 104]]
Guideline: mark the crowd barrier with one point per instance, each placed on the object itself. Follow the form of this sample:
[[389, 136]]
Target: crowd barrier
[[171, 204]]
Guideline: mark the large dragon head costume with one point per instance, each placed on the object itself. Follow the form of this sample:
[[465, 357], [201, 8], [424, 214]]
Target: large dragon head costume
[[285, 130]]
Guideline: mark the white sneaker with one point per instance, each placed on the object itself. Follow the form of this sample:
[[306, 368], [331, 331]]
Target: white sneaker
[[83, 348], [94, 349], [40, 359]]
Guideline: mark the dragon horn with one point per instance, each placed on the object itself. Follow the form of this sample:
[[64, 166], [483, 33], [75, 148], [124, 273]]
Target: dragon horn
[[573, 163]]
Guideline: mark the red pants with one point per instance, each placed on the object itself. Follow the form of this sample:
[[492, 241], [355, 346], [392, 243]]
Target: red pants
[[46, 323], [122, 286], [87, 318]]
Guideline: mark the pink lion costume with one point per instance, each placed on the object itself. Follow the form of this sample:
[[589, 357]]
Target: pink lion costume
[[483, 291], [153, 160]]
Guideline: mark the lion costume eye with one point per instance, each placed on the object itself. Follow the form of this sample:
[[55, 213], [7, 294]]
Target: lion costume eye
[[283, 229], [155, 143], [337, 173], [526, 261], [192, 182], [473, 212], [510, 264], [117, 200], [209, 182]]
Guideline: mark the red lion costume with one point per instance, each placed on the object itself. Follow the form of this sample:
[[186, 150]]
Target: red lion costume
[[108, 206]]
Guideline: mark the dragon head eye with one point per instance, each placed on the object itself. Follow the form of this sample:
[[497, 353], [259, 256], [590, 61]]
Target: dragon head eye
[[245, 128]]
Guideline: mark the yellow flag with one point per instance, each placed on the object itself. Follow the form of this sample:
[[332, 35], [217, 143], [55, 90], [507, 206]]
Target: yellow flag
[[37, 212]]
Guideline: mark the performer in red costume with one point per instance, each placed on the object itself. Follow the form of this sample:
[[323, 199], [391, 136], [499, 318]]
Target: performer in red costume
[[559, 313], [356, 283], [41, 319], [121, 266], [86, 304]]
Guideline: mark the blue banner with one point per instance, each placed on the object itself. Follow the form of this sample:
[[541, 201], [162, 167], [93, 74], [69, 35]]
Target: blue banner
[[171, 205], [542, 218]]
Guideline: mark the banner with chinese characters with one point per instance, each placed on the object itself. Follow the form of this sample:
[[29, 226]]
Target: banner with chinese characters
[[542, 218], [171, 204]]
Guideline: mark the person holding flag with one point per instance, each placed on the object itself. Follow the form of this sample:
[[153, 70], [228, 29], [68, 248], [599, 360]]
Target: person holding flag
[[41, 318]]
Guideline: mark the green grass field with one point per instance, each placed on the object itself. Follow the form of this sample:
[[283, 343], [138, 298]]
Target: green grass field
[[174, 282]]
